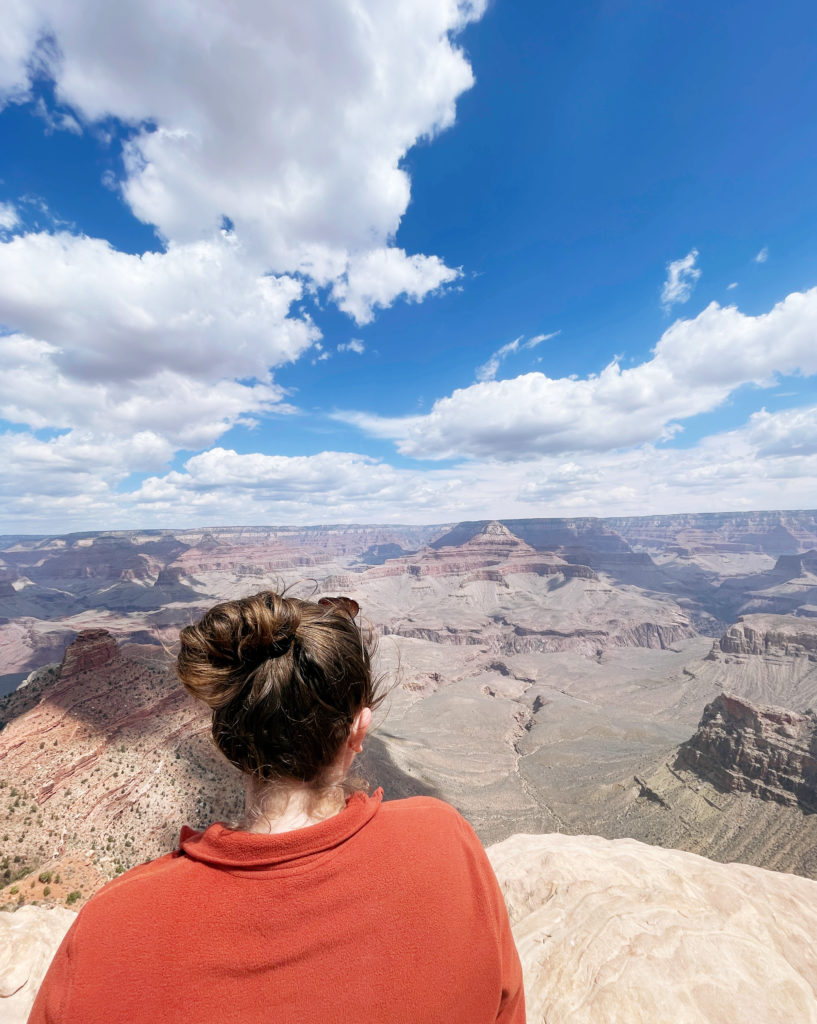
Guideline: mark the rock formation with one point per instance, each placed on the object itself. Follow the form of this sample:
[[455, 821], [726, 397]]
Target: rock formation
[[92, 649], [769, 752], [612, 931], [783, 636], [797, 565]]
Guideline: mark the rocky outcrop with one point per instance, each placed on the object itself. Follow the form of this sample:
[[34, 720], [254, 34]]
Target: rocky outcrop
[[791, 566], [93, 649], [620, 931], [29, 938], [767, 751], [785, 636]]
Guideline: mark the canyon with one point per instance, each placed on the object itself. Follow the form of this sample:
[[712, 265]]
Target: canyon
[[545, 676]]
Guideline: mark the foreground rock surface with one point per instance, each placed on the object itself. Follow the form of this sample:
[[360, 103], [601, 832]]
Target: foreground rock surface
[[28, 940], [614, 930], [607, 930]]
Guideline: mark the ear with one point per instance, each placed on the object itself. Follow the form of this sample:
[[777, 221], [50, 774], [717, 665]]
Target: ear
[[360, 726]]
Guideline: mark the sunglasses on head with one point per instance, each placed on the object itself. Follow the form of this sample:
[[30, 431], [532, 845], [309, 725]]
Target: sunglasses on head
[[348, 605]]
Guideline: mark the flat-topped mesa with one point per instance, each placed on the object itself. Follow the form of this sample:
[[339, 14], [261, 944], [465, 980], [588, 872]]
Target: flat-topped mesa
[[754, 748], [770, 635], [92, 649]]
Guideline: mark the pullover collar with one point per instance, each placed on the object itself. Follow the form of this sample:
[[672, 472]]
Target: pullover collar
[[224, 847]]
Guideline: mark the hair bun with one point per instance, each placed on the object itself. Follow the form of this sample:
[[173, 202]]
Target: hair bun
[[284, 679], [231, 641]]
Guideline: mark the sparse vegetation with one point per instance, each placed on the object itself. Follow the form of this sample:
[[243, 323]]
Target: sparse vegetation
[[72, 897]]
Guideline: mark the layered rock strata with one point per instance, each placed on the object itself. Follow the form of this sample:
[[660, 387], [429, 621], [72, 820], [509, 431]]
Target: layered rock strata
[[785, 636], [767, 751]]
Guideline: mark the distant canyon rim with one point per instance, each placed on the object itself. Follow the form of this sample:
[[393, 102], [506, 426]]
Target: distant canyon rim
[[652, 678]]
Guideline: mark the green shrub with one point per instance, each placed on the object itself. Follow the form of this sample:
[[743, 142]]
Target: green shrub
[[47, 891], [72, 897], [14, 890], [45, 877]]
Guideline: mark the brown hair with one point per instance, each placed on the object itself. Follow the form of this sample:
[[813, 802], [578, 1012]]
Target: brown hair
[[284, 678]]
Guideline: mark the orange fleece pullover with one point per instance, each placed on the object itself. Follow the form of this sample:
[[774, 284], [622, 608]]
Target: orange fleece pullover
[[383, 914]]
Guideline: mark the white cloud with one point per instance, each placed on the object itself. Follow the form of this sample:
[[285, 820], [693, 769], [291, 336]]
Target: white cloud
[[336, 486], [489, 369], [21, 19], [695, 366], [763, 255], [177, 344], [681, 277], [9, 218], [288, 121], [331, 96], [374, 279], [355, 345], [791, 432], [57, 120], [198, 309], [729, 287], [766, 464]]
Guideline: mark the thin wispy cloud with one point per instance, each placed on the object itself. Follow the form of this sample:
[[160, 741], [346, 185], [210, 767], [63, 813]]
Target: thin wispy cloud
[[355, 345], [682, 276], [8, 217], [488, 370], [763, 255], [729, 287]]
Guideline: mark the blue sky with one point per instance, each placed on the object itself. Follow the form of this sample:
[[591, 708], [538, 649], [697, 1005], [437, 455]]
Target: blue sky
[[413, 262]]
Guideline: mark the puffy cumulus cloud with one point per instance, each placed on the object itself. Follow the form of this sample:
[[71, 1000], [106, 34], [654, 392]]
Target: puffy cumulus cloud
[[732, 470], [681, 277], [196, 309], [695, 367], [187, 413], [79, 479], [723, 472], [726, 348], [178, 343], [263, 138], [289, 119], [789, 433], [64, 482], [328, 486], [375, 278]]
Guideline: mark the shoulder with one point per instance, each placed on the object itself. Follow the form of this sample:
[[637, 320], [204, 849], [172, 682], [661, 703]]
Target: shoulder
[[426, 814], [138, 885]]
